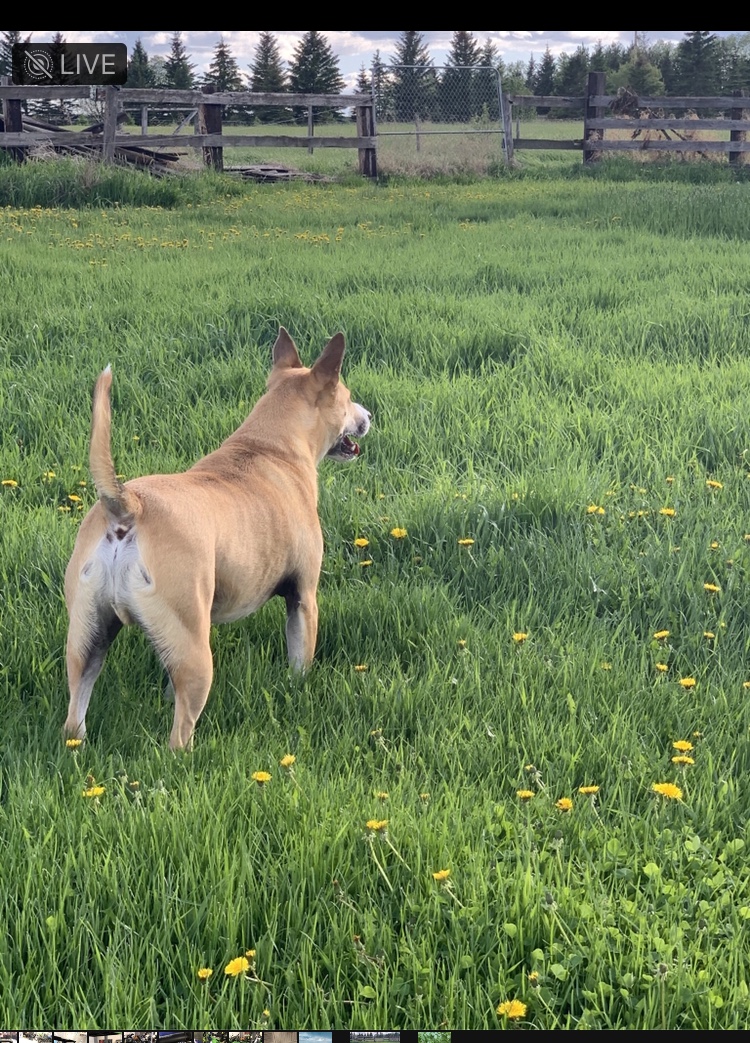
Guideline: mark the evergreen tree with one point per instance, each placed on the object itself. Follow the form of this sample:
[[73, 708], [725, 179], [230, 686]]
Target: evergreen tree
[[697, 64], [48, 110], [314, 69], [224, 74], [7, 40], [531, 74], [638, 74], [456, 92], [140, 73], [571, 78], [544, 85], [178, 66], [486, 84], [363, 85], [734, 65], [267, 76], [382, 88], [414, 79], [663, 56]]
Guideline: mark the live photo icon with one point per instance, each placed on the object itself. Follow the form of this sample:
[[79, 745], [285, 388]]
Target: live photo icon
[[55, 65]]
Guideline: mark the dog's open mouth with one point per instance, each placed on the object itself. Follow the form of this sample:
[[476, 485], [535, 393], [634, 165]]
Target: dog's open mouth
[[345, 448]]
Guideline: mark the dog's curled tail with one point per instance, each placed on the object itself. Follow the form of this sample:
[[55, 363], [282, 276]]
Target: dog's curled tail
[[119, 503]]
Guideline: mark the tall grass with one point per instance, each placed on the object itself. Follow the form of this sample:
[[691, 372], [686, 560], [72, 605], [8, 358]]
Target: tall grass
[[553, 367]]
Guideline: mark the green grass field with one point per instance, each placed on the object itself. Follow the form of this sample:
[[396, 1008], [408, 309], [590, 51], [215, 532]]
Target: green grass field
[[558, 369]]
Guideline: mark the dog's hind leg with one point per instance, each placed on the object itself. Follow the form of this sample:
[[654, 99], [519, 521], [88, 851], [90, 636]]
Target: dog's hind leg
[[190, 671], [301, 625], [88, 642]]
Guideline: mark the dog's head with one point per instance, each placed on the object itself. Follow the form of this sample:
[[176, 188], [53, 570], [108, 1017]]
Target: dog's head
[[331, 410]]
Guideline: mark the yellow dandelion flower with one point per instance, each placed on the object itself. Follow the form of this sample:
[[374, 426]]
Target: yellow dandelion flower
[[441, 875], [250, 953], [461, 642], [64, 509], [512, 1009], [709, 634], [204, 973], [381, 795], [683, 745], [519, 637], [605, 666], [667, 512], [361, 542], [525, 794], [746, 684], [266, 1013], [661, 667], [564, 804], [588, 790], [687, 682], [237, 966], [669, 479], [711, 484], [594, 509], [466, 542], [424, 797], [682, 759], [9, 483], [697, 735], [533, 978], [73, 744], [365, 563], [377, 824], [668, 790], [288, 760], [93, 791], [261, 777], [49, 474], [399, 534], [74, 498], [711, 588], [360, 668], [715, 545], [661, 634], [376, 733]]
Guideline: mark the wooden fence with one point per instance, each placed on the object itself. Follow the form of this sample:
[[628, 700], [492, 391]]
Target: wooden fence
[[649, 118], [209, 132]]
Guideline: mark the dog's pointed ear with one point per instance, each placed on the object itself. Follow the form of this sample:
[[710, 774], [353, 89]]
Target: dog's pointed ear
[[285, 354], [328, 366]]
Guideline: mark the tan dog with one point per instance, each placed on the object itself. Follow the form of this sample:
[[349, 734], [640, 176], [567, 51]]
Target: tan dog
[[174, 553]]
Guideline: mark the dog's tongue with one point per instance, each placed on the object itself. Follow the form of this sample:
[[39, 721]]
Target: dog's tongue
[[350, 445]]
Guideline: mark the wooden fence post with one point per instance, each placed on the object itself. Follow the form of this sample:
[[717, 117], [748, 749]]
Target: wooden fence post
[[310, 128], [508, 128], [13, 120], [109, 128], [368, 157], [736, 158], [209, 121], [144, 119], [596, 84]]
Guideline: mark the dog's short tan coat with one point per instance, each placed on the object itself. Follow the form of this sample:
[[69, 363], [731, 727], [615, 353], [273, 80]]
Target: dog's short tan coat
[[174, 553]]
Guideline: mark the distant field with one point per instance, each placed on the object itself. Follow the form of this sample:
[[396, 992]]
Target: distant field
[[559, 374]]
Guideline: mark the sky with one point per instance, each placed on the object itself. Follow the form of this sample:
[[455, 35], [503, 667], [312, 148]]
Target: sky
[[355, 47]]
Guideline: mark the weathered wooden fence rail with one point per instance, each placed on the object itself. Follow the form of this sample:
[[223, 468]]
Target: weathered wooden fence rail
[[595, 123], [209, 136]]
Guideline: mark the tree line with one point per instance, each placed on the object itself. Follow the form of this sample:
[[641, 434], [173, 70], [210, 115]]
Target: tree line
[[410, 87]]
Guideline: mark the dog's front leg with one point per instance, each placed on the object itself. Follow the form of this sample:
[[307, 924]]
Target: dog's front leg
[[301, 626]]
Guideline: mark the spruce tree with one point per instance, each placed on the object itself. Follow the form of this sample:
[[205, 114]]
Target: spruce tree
[[223, 74], [314, 69], [698, 64], [544, 84], [382, 88], [414, 79], [48, 110], [267, 76], [457, 87], [178, 66], [140, 73], [363, 85], [486, 85]]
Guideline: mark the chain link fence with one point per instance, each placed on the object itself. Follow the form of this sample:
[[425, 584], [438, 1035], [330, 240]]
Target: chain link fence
[[438, 119]]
